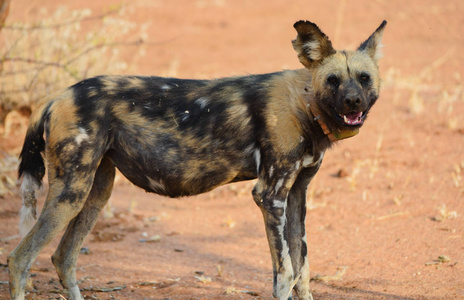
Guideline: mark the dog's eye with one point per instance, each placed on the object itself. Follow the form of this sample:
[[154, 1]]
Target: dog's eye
[[333, 80], [364, 78]]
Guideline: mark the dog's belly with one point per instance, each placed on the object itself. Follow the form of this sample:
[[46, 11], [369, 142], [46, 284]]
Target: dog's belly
[[181, 171]]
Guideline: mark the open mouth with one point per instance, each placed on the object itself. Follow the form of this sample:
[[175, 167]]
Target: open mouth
[[352, 119]]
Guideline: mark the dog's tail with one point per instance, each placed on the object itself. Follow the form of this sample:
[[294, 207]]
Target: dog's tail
[[32, 168]]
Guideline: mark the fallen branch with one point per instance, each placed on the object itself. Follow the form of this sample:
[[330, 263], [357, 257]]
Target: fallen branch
[[158, 285], [441, 260], [104, 289], [326, 278], [9, 238], [397, 214], [232, 290], [292, 285]]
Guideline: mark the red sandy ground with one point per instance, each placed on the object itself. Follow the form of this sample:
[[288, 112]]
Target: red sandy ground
[[399, 207]]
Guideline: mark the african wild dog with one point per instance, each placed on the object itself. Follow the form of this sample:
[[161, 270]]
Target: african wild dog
[[179, 137]]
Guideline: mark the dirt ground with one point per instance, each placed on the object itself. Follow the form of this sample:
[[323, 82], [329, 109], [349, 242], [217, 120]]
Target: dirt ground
[[390, 227]]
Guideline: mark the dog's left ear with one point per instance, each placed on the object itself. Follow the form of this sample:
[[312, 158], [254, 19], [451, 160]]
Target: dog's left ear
[[311, 44], [373, 45]]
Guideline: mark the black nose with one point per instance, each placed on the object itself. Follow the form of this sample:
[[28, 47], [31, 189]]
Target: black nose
[[352, 101]]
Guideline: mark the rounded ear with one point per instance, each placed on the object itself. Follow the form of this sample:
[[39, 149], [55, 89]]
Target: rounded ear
[[373, 45], [311, 44]]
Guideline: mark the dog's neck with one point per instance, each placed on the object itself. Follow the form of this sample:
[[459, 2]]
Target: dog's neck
[[335, 134]]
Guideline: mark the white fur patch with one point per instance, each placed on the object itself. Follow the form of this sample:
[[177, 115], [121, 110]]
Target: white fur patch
[[278, 185], [308, 160], [378, 51], [320, 158], [202, 102], [284, 279], [165, 87], [185, 115], [257, 155], [271, 171], [82, 136], [279, 204], [313, 49], [27, 214]]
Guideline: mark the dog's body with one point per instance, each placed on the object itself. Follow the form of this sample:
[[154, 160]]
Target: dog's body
[[184, 137]]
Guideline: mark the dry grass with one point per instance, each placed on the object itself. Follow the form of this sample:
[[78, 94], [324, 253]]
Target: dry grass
[[456, 174], [8, 167], [37, 59], [424, 88], [40, 58], [445, 214]]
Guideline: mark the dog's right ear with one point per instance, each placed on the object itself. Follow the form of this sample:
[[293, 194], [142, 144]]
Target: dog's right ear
[[311, 44]]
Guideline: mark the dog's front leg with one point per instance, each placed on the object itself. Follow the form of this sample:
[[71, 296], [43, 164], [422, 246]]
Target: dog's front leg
[[271, 196], [296, 231]]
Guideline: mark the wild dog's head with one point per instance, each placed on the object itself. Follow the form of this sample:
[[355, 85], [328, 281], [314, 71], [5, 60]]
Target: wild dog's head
[[345, 83]]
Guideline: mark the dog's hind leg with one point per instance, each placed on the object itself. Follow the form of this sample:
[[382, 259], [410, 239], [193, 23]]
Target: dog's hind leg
[[296, 231], [69, 187], [65, 256], [56, 214]]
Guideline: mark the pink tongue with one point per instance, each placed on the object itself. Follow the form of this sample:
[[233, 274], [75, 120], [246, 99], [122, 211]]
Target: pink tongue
[[353, 118]]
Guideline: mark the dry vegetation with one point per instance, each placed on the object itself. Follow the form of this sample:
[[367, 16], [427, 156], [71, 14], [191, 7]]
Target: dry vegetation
[[40, 58], [37, 59]]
